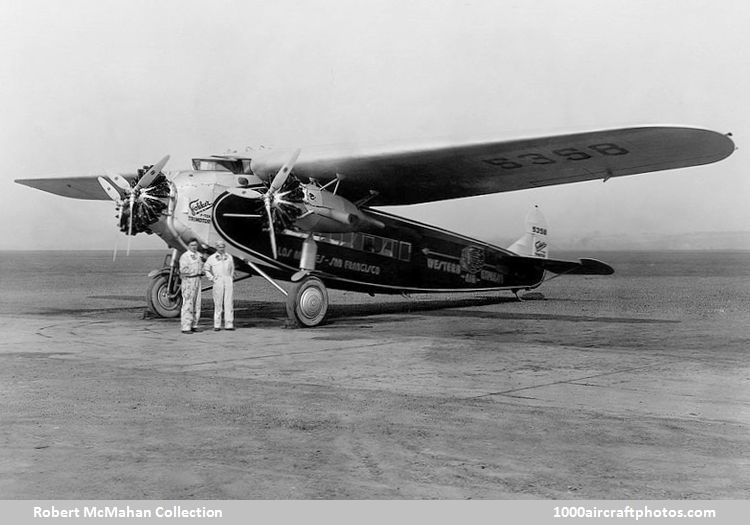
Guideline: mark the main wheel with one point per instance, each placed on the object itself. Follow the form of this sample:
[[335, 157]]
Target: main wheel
[[161, 300], [307, 302]]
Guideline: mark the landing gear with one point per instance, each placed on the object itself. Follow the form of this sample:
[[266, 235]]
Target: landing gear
[[307, 299], [307, 302], [162, 299]]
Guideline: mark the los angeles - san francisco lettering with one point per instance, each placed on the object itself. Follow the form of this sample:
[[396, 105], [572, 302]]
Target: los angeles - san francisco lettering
[[362, 267]]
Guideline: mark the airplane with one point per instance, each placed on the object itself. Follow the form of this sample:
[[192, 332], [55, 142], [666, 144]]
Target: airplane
[[311, 218]]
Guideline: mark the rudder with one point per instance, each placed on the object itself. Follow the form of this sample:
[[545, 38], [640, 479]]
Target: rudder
[[533, 243]]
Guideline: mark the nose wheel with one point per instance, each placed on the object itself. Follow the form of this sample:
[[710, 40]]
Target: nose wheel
[[307, 302]]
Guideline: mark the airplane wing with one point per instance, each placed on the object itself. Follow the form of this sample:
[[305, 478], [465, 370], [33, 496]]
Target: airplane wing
[[448, 172], [426, 174], [87, 188]]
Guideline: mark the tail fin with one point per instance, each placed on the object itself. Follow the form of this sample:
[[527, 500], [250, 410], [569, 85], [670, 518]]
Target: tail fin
[[533, 243]]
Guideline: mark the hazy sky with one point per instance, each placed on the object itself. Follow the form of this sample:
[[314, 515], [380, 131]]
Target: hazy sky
[[87, 85]]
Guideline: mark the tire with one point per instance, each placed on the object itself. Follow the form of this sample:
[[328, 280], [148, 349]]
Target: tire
[[159, 299], [307, 302]]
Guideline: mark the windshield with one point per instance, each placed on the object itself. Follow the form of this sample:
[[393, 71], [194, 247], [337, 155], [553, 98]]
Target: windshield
[[239, 166]]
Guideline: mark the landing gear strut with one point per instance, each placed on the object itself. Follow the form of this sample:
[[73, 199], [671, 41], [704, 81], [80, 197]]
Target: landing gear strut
[[307, 299], [307, 302]]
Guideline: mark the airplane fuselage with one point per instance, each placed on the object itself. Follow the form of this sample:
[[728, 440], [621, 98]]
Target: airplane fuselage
[[403, 256]]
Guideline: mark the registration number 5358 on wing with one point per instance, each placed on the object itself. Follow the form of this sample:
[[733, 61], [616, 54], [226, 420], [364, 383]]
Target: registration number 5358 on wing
[[558, 155]]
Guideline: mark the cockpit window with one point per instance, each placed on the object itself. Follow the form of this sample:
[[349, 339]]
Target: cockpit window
[[237, 166], [208, 165]]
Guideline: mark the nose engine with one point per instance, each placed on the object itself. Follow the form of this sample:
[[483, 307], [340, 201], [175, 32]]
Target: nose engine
[[148, 204], [140, 202]]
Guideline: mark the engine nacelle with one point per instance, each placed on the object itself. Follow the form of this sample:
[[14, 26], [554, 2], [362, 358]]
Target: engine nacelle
[[330, 213]]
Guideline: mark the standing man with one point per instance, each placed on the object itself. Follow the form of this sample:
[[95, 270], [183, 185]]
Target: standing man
[[219, 268], [191, 269]]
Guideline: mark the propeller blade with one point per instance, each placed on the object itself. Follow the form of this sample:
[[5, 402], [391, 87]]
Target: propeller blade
[[151, 174], [281, 176], [109, 189], [118, 179], [114, 252], [130, 222], [246, 193], [271, 231]]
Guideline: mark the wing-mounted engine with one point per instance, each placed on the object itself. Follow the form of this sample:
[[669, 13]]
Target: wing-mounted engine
[[327, 212], [307, 207]]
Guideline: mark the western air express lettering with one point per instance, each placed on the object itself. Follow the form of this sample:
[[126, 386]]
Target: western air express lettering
[[443, 266], [455, 269]]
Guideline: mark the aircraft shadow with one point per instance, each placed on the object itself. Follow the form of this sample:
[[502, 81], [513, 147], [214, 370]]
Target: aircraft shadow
[[268, 313], [252, 311]]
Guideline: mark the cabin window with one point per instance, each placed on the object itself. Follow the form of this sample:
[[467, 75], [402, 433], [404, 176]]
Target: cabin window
[[405, 251], [347, 240], [387, 249], [368, 243], [357, 241]]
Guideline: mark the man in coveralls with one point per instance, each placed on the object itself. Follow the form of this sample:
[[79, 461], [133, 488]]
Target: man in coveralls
[[191, 269], [219, 268]]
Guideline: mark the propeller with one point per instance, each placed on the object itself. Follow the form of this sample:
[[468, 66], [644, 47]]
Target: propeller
[[271, 231], [144, 202], [118, 179], [151, 174], [273, 198], [109, 189], [281, 176], [246, 193], [130, 219], [115, 196]]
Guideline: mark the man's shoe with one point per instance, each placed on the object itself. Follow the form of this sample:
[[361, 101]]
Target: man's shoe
[[196, 330], [188, 332], [231, 329], [217, 329]]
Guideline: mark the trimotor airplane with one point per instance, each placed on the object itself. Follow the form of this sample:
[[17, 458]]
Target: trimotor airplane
[[309, 218]]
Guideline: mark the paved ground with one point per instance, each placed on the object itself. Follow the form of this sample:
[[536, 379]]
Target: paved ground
[[632, 387]]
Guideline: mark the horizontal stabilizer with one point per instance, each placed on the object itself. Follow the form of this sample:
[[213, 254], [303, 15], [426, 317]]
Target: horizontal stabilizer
[[581, 267]]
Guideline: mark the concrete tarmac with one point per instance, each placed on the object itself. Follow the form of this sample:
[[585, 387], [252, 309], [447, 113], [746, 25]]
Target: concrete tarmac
[[611, 387]]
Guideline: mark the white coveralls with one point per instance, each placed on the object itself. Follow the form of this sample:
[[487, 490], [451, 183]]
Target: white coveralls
[[191, 267], [220, 269]]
